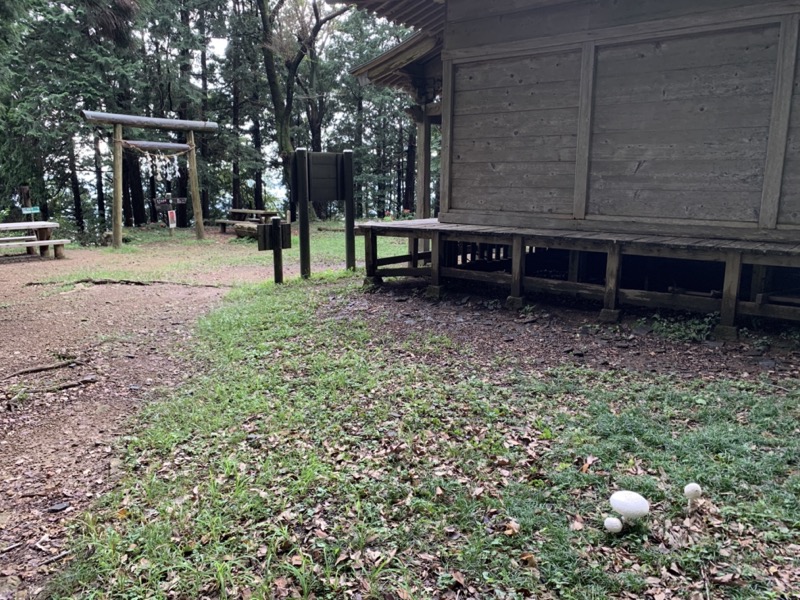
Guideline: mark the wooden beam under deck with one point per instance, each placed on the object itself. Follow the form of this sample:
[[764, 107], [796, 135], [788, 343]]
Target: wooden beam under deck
[[451, 242]]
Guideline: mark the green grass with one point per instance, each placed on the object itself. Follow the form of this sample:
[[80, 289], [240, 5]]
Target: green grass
[[182, 258], [317, 456]]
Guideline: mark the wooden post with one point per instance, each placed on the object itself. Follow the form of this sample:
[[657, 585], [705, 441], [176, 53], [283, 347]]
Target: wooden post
[[371, 253], [515, 300], [116, 217], [437, 251], [349, 211], [194, 187], [610, 313], [277, 247], [730, 296], [303, 201], [424, 172]]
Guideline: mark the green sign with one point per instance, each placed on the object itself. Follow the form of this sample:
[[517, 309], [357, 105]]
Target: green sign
[[31, 210]]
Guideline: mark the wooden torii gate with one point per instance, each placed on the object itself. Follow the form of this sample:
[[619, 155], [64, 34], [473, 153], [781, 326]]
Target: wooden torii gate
[[120, 121]]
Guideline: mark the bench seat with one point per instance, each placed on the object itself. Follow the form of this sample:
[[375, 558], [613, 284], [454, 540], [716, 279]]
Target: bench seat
[[58, 246], [17, 238]]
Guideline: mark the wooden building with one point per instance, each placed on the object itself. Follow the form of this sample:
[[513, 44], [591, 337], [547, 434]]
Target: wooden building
[[607, 142]]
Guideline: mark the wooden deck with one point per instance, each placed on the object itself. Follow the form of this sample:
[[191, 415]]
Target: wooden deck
[[750, 272]]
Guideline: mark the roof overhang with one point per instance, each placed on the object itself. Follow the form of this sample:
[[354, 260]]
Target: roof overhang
[[424, 15], [413, 66]]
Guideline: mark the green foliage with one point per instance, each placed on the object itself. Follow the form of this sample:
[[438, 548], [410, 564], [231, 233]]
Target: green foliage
[[682, 327]]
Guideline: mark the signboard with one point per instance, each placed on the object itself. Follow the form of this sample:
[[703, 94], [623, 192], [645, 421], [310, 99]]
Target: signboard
[[31, 210], [180, 200], [173, 219]]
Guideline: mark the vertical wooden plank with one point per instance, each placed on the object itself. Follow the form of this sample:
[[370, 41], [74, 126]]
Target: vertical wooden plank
[[517, 266], [436, 259], [276, 234], [349, 210], [424, 167], [730, 289], [303, 200], [370, 252], [758, 284], [194, 186], [116, 216], [613, 269], [779, 126], [574, 265], [448, 86], [588, 69]]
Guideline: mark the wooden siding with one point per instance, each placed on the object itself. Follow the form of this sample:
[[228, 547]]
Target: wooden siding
[[659, 96], [471, 26], [789, 213], [514, 134]]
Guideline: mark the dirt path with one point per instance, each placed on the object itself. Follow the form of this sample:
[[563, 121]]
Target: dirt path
[[116, 344]]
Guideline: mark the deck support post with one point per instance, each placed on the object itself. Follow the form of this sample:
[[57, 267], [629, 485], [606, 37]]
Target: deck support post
[[516, 300], [730, 296], [610, 312], [434, 290], [371, 257]]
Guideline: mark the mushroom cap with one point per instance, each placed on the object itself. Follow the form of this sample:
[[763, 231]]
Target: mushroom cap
[[612, 525], [630, 505], [692, 491]]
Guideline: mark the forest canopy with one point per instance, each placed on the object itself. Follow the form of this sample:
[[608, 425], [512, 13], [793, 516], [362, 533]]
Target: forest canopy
[[275, 74]]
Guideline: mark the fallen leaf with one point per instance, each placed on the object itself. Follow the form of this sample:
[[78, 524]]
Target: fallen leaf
[[512, 528], [577, 523]]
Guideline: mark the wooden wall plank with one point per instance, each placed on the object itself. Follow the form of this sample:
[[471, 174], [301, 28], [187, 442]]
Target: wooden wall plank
[[445, 182], [525, 175], [519, 71], [703, 144], [588, 66], [556, 121], [535, 96], [688, 204], [538, 200], [545, 148], [779, 127]]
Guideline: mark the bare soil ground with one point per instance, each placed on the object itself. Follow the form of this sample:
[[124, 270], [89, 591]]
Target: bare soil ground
[[117, 345]]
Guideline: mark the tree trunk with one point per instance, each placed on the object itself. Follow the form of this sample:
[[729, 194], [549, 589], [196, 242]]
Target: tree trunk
[[137, 191], [236, 180], [411, 162], [153, 192], [98, 178], [361, 192], [127, 208], [258, 143], [76, 187], [205, 201]]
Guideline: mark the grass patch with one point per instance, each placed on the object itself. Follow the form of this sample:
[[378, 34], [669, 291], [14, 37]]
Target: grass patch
[[317, 457]]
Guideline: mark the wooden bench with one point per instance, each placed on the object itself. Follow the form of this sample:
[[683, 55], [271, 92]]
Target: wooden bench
[[31, 242], [17, 238], [245, 215]]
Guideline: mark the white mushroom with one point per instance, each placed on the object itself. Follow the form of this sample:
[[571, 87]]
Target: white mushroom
[[692, 491], [630, 505], [613, 525]]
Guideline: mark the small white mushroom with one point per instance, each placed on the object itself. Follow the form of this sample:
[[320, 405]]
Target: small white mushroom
[[613, 525], [692, 491], [630, 505]]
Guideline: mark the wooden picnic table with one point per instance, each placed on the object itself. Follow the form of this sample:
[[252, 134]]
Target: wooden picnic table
[[246, 215], [40, 236]]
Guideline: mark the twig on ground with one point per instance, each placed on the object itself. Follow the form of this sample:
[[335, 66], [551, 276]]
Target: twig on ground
[[143, 283], [67, 385], [41, 368], [10, 548], [55, 558]]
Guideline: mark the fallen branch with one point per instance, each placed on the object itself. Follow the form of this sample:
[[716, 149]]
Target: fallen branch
[[55, 558], [41, 368], [145, 283], [10, 548], [67, 385]]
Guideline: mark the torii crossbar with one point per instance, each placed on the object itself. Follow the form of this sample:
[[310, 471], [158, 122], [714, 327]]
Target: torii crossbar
[[119, 121]]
